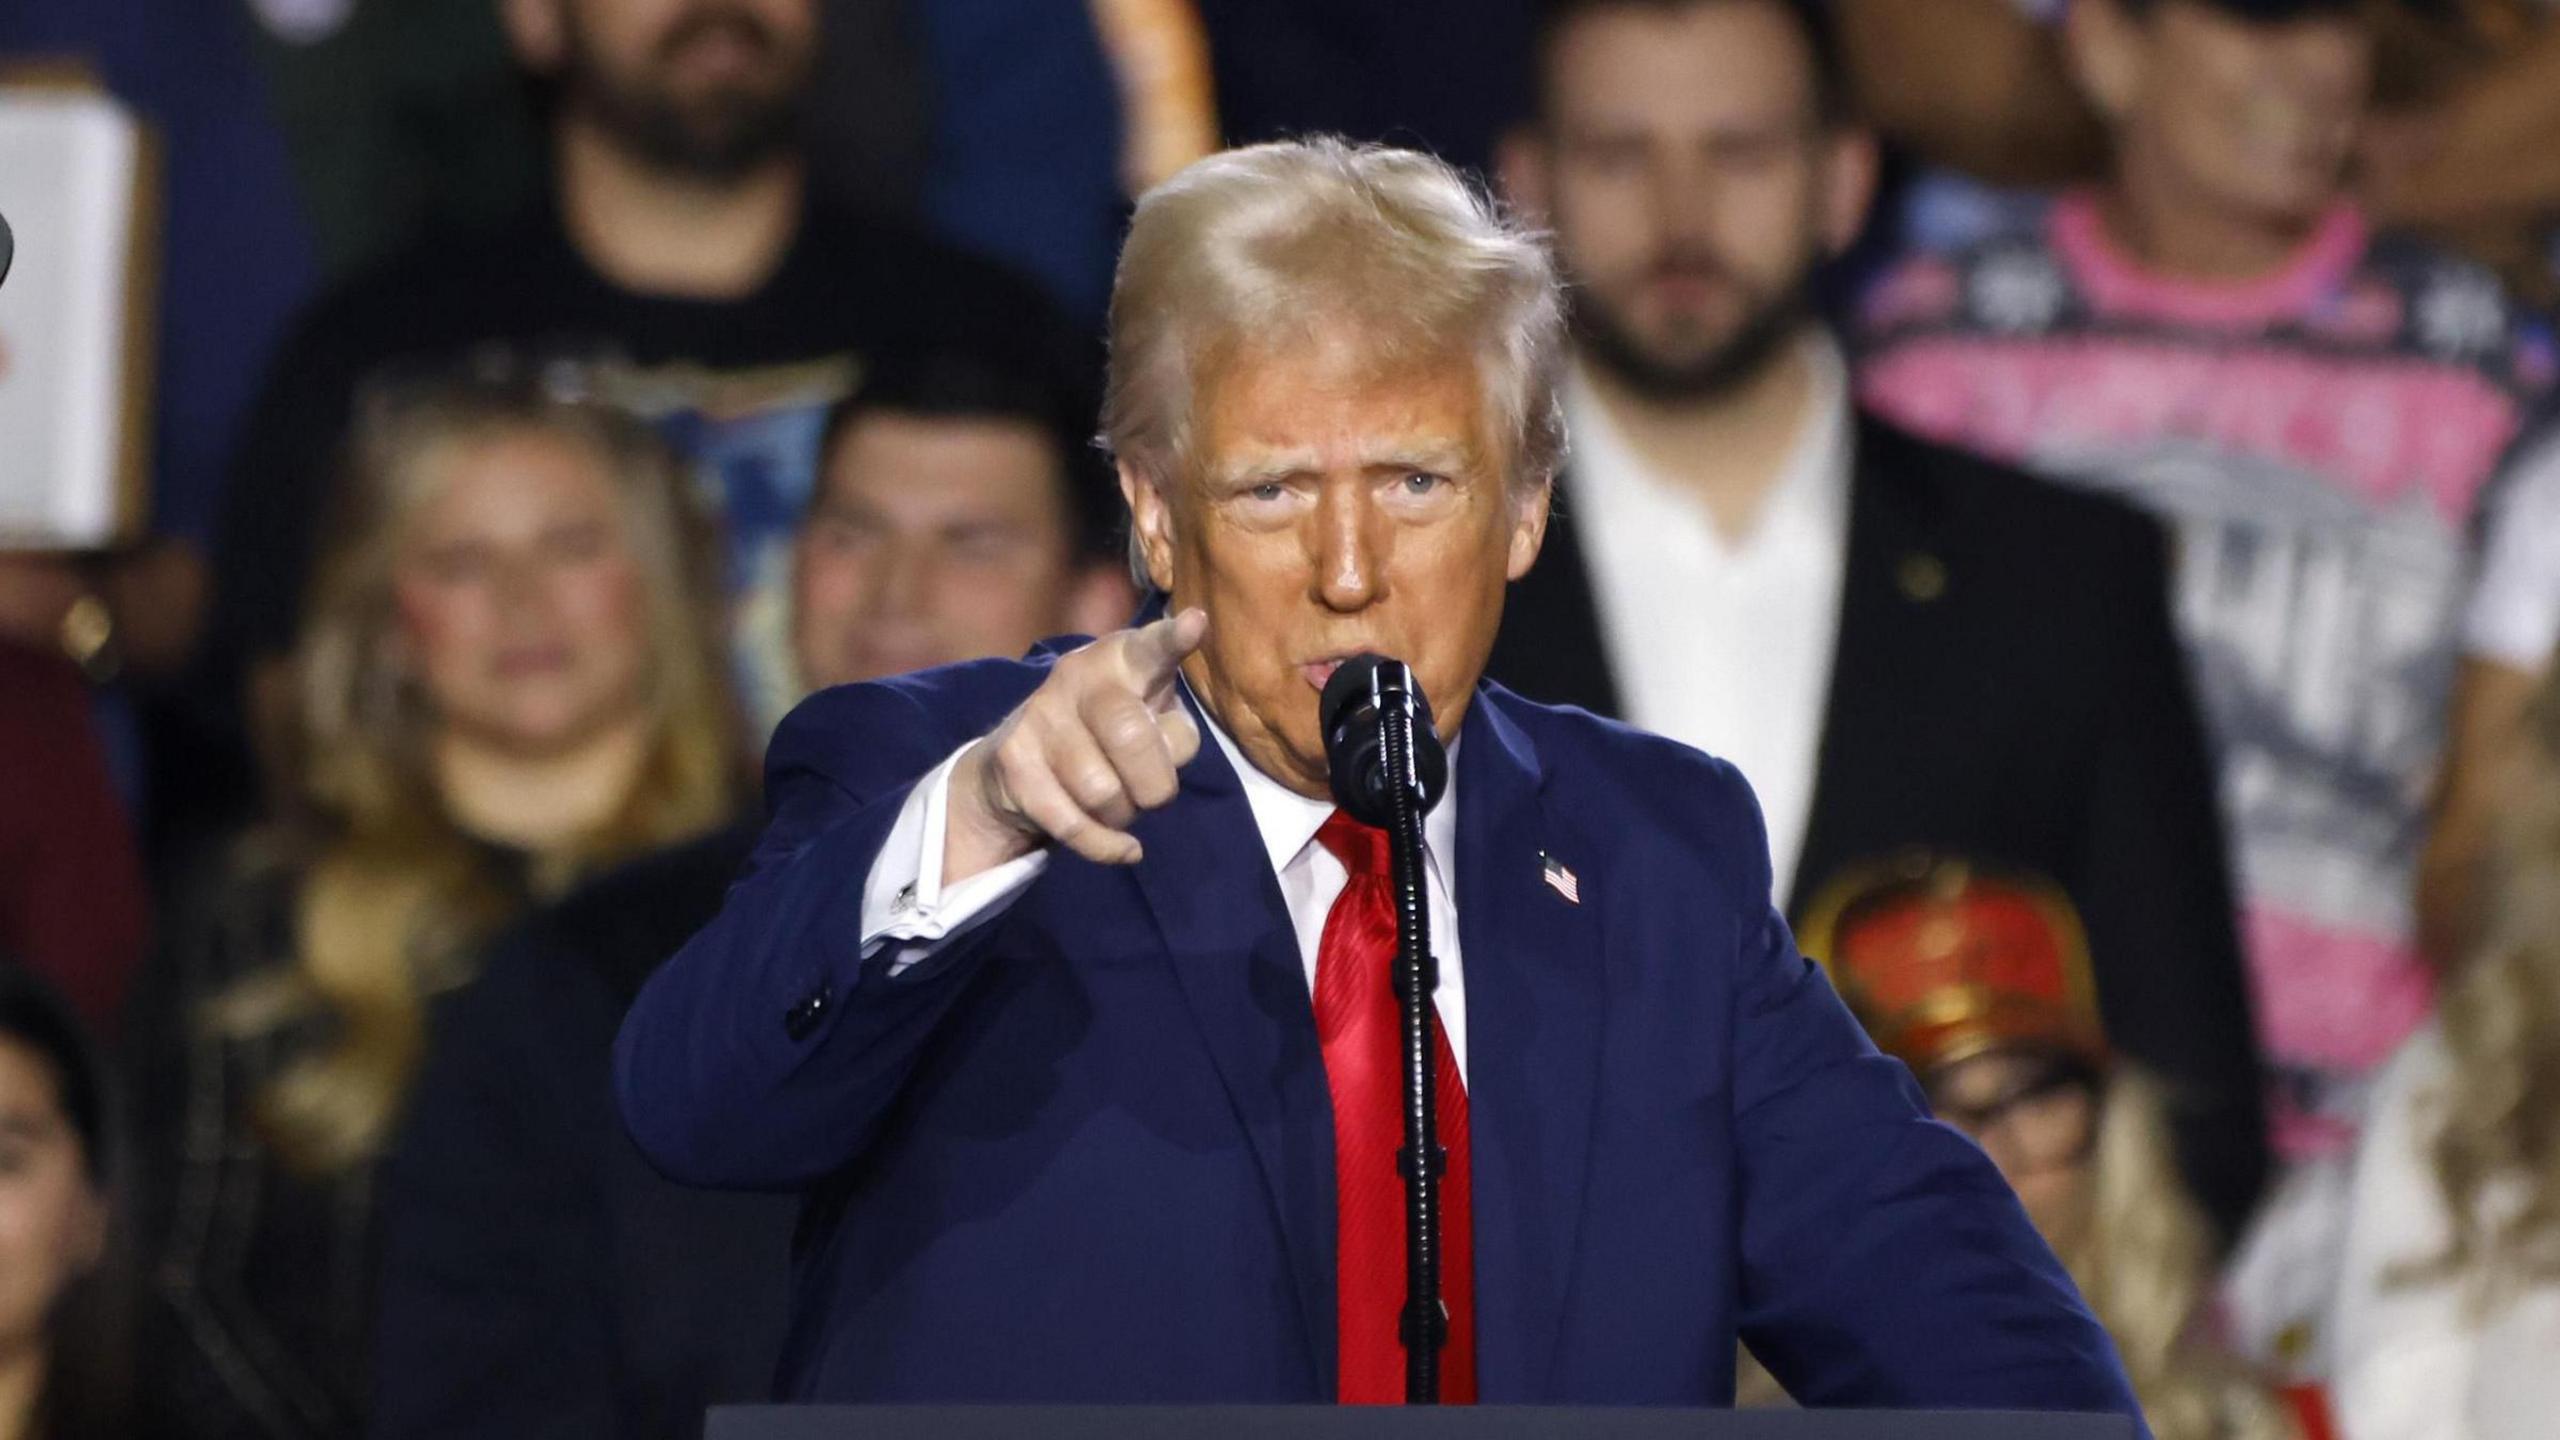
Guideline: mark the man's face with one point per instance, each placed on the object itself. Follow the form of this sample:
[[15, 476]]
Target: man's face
[[704, 87], [2250, 120], [934, 540], [1691, 186], [1331, 509]]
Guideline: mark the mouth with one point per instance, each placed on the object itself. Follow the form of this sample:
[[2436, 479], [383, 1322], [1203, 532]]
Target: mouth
[[725, 47], [525, 662], [1319, 673]]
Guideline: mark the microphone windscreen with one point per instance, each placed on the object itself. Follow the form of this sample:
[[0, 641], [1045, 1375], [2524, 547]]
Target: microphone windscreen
[[1356, 699], [1350, 687]]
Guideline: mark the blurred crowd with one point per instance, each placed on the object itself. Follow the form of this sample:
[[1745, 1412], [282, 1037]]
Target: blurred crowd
[[2093, 464]]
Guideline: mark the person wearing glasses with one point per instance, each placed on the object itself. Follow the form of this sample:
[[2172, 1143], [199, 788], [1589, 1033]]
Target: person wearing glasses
[[1979, 981]]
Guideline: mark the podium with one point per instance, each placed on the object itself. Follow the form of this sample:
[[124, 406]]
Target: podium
[[1330, 1422]]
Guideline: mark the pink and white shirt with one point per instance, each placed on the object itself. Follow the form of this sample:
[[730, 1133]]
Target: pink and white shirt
[[2317, 439]]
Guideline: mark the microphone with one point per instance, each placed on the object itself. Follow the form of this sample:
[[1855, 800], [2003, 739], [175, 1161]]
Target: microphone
[[8, 248], [1388, 769], [1365, 694]]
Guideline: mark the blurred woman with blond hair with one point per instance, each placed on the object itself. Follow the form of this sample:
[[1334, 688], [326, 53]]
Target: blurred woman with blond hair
[[1979, 981], [2448, 1323], [506, 681]]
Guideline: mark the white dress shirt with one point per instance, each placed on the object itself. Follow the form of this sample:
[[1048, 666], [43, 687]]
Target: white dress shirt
[[1723, 644], [908, 910]]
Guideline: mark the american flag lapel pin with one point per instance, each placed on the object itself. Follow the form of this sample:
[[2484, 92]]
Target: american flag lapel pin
[[1559, 879]]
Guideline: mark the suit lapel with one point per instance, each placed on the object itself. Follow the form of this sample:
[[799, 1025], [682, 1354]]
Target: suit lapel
[[1534, 992], [1895, 587], [1235, 958]]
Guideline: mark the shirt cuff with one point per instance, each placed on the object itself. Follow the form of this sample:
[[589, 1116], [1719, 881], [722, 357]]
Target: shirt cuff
[[906, 909]]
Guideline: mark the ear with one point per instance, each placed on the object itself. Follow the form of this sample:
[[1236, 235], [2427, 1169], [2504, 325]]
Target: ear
[[1850, 165], [536, 31], [2110, 53], [1151, 520], [1529, 529], [1524, 169], [1100, 599]]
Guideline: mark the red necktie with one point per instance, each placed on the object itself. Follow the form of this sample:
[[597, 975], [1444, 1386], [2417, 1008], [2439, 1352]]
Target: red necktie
[[1362, 1029]]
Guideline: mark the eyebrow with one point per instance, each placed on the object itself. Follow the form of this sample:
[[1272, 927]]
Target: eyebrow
[[1438, 457]]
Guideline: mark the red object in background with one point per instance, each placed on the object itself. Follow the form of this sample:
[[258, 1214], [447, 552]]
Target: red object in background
[[2310, 1404], [72, 903]]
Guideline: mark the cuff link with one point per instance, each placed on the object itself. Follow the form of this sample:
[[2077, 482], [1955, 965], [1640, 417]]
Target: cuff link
[[904, 903]]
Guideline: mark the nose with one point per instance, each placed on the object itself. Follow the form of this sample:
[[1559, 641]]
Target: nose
[[902, 584], [522, 585], [1349, 544], [1684, 197]]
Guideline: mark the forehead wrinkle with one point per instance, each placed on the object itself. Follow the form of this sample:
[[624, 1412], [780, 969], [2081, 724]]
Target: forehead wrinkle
[[1257, 462], [1423, 454], [1413, 452]]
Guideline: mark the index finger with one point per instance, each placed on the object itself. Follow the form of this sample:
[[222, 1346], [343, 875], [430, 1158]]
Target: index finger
[[1155, 651]]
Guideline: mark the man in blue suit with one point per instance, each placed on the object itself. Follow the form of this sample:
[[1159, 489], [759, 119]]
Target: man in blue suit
[[1060, 1013]]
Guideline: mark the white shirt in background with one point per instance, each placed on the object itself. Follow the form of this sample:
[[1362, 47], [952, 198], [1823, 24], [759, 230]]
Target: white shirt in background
[[1723, 645], [2414, 1361], [2514, 613]]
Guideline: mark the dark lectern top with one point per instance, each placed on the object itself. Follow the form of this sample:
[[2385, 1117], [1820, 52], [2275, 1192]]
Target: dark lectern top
[[1327, 1422]]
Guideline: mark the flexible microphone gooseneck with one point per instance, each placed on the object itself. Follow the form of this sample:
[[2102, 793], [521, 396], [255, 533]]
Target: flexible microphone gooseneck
[[1388, 768]]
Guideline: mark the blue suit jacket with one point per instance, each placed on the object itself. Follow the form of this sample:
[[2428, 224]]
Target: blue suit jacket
[[1085, 1153]]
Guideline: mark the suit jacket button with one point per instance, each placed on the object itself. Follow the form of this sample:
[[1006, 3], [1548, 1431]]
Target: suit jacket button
[[1923, 577], [802, 1018]]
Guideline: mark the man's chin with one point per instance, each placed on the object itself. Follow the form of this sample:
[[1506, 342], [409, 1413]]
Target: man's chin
[[1690, 373], [1295, 761]]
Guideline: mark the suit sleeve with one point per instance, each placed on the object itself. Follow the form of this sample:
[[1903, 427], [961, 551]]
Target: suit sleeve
[[1884, 1262], [496, 1309], [2155, 892], [764, 1054]]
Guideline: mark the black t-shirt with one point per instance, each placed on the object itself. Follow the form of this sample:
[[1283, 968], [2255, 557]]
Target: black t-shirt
[[741, 386]]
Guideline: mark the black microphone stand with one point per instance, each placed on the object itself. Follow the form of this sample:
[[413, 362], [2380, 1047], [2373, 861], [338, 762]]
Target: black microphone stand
[[1387, 775], [1424, 1327]]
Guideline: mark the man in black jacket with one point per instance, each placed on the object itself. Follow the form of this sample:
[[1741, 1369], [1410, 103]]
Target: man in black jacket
[[1900, 646]]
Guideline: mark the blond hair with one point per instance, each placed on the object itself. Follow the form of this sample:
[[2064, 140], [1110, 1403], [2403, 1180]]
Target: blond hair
[[1276, 243], [393, 897], [2142, 1254], [2497, 1112]]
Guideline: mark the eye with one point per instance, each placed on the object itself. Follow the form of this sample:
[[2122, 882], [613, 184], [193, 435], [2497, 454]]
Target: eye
[[580, 542], [1612, 155], [455, 564], [1423, 482], [1266, 492], [981, 544], [838, 534]]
